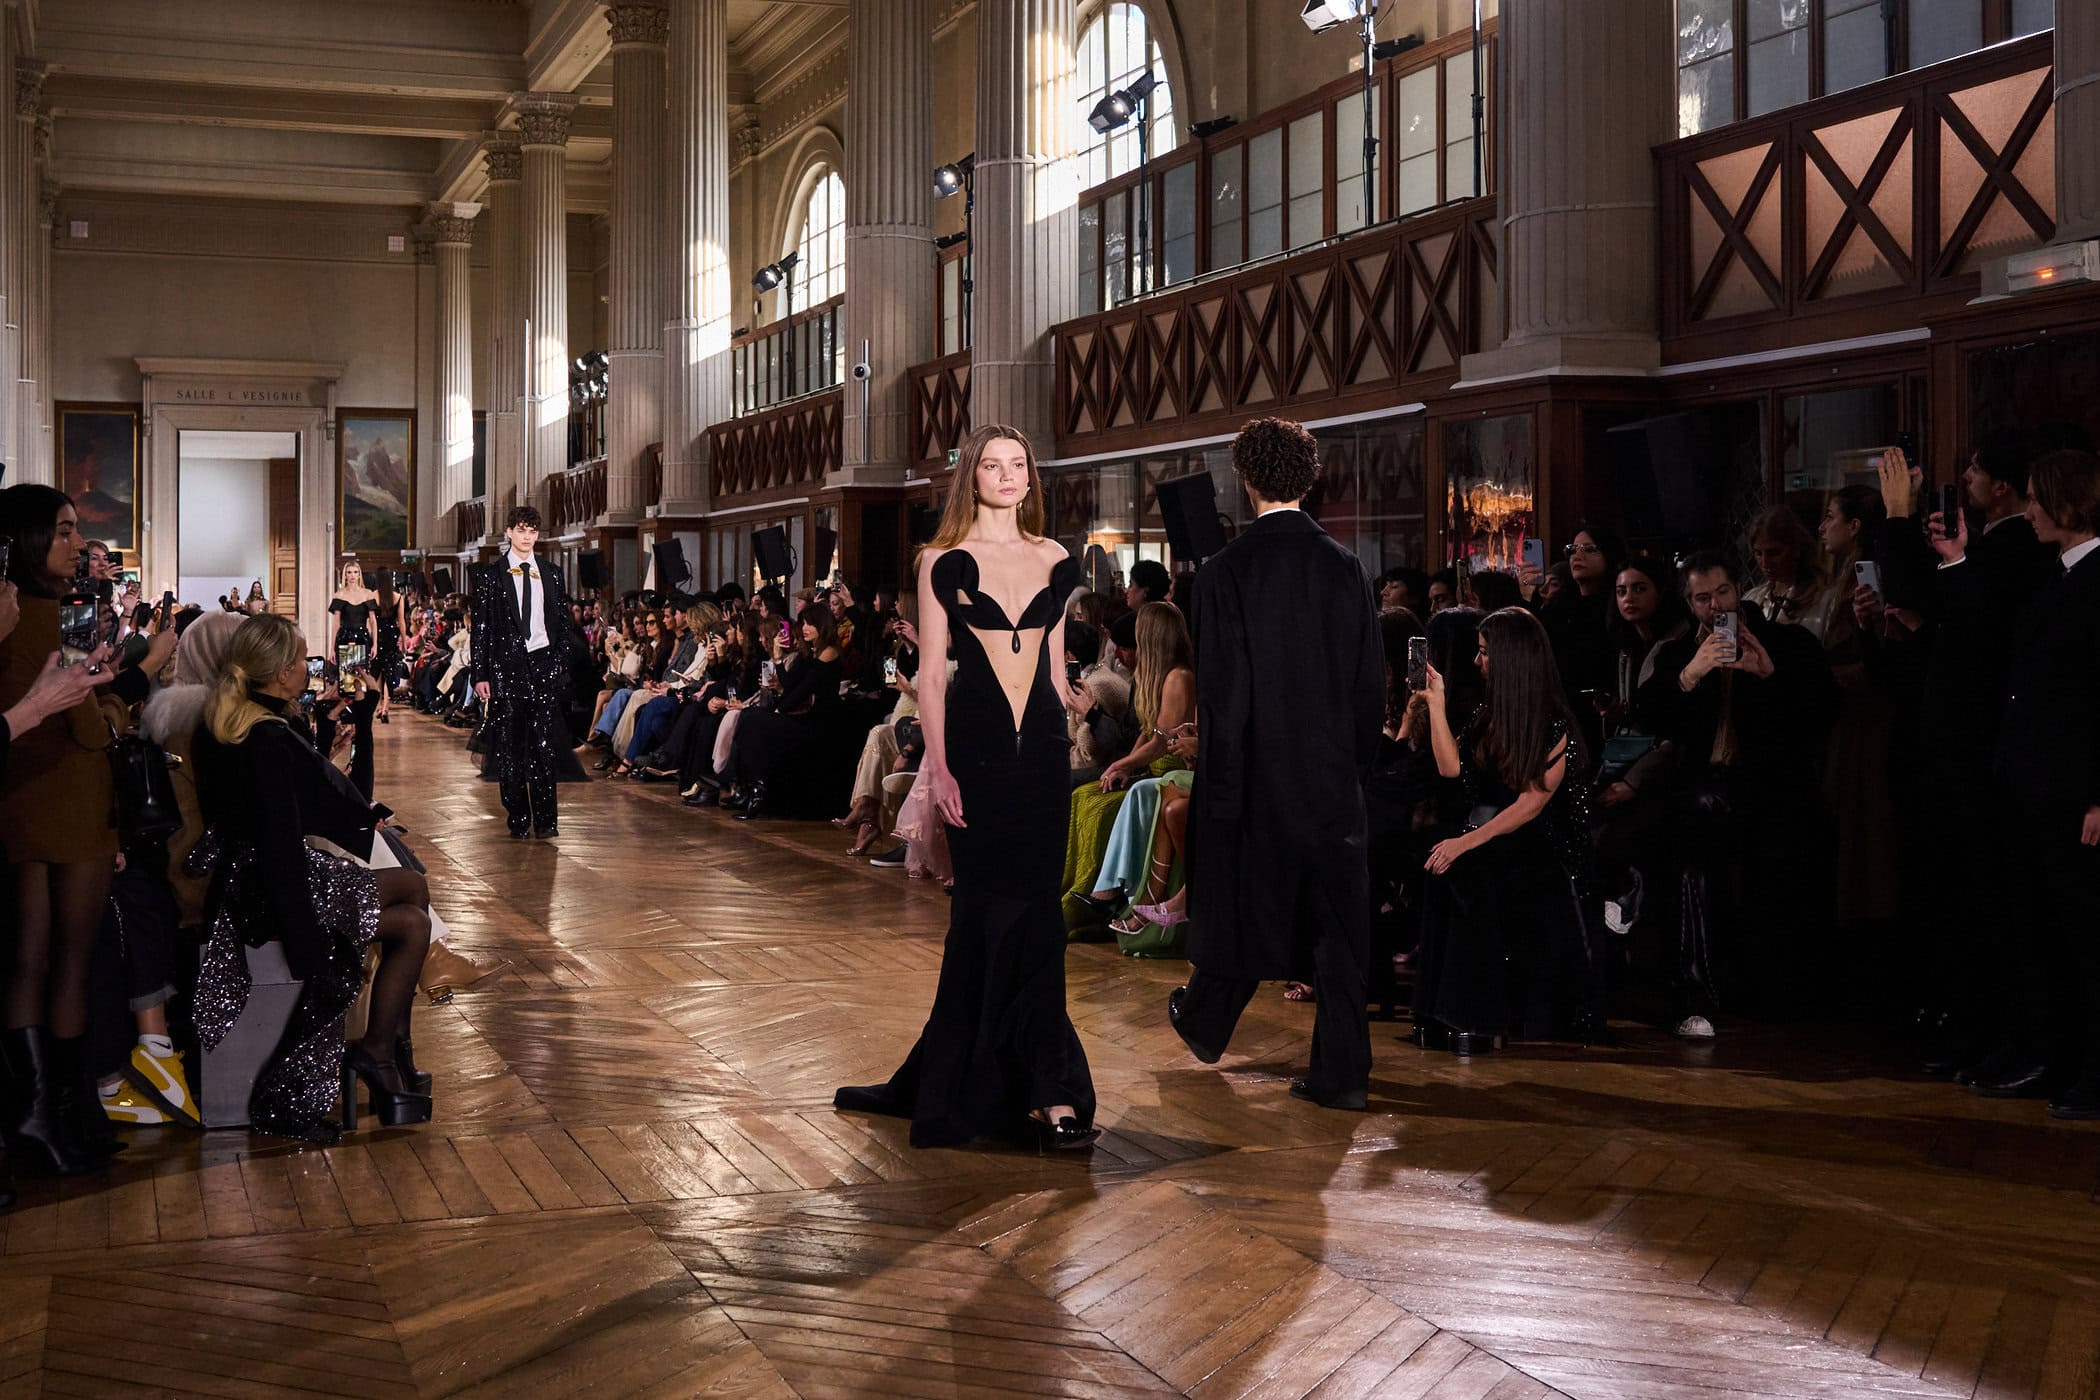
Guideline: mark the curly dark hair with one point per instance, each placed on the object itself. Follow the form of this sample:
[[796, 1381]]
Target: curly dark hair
[[1277, 458], [523, 515]]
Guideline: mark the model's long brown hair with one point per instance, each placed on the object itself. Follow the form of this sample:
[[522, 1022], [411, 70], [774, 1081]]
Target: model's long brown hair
[[1163, 648], [960, 513]]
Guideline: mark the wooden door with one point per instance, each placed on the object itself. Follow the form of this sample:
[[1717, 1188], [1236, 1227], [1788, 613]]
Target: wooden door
[[284, 537]]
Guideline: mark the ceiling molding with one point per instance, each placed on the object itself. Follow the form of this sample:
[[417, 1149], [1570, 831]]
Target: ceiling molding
[[190, 104], [571, 42]]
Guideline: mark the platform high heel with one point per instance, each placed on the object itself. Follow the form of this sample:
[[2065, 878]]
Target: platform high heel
[[393, 1102], [417, 1080], [1065, 1135]]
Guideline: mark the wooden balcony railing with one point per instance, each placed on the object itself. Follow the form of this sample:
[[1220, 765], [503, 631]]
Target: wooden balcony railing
[[467, 522], [1844, 212], [1347, 324], [940, 406], [759, 362], [576, 497], [787, 446]]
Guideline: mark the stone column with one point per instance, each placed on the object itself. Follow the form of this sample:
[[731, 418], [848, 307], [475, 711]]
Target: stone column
[[9, 232], [891, 295], [697, 304], [1578, 267], [24, 186], [451, 228], [46, 360], [506, 327], [635, 320], [543, 136], [1026, 260], [2077, 120]]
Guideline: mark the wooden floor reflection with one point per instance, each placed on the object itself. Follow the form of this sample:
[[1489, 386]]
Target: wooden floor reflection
[[636, 1186]]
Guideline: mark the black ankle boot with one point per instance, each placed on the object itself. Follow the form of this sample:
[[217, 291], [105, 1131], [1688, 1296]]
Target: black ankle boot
[[394, 1103], [90, 1124], [418, 1080], [41, 1137]]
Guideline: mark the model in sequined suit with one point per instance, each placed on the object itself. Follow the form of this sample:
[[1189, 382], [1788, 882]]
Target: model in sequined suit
[[522, 639]]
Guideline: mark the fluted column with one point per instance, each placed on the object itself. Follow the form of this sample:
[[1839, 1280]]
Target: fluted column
[[10, 232], [543, 137], [1585, 96], [635, 319], [2077, 120], [45, 360], [451, 229], [697, 305], [506, 326], [891, 294], [26, 185], [1026, 260]]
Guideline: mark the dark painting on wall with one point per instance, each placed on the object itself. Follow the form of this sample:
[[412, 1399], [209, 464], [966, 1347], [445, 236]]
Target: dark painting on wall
[[376, 475], [98, 466]]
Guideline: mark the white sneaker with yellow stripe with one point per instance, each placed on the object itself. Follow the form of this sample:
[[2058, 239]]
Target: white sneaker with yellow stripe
[[164, 1085]]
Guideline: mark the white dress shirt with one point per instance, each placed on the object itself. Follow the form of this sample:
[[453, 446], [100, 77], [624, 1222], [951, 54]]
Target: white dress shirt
[[2077, 552], [536, 622]]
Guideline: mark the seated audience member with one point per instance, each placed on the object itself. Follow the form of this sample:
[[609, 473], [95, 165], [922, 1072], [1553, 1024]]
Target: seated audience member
[[2046, 800], [765, 757], [637, 733], [1090, 608], [1149, 583], [1105, 732], [1443, 591], [1749, 720], [1650, 616], [1404, 588], [1578, 621], [1505, 948], [878, 757], [1491, 590], [737, 678], [264, 790], [1163, 698]]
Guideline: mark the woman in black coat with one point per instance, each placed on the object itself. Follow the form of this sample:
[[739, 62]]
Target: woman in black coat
[[769, 741]]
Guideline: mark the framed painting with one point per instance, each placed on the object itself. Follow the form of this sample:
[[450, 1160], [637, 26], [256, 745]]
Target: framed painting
[[375, 457], [98, 466]]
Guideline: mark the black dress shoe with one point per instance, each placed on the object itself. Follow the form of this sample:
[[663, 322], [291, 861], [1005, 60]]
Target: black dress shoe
[[1066, 1135], [2029, 1079], [1993, 1065], [754, 804], [2079, 1104], [1355, 1100], [548, 832], [702, 798], [1107, 906], [1430, 1036], [520, 833], [1201, 1052], [1474, 1042]]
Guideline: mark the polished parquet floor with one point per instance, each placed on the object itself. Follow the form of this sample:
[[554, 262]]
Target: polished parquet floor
[[636, 1186]]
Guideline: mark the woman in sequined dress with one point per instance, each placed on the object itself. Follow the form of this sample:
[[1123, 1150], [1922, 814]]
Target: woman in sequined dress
[[264, 790], [1503, 902]]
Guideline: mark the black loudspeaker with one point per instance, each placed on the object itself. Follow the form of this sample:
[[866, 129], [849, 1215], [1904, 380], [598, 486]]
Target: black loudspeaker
[[827, 545], [671, 573], [925, 523], [1668, 481], [770, 548], [1188, 507], [441, 581], [878, 544], [590, 571]]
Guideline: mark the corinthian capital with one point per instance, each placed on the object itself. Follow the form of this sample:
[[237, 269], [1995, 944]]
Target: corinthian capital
[[639, 22], [29, 87], [451, 222], [40, 140], [543, 117], [505, 161]]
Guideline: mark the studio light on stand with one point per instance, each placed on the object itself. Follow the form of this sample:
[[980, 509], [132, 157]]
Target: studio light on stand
[[1323, 15], [782, 274], [960, 178], [1110, 114]]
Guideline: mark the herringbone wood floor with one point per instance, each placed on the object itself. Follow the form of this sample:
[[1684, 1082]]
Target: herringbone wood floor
[[636, 1186]]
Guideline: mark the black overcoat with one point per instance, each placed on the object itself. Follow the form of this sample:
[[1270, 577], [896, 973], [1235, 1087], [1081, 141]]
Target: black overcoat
[[1290, 700]]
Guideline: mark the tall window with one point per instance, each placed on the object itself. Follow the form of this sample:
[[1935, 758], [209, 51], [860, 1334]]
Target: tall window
[[822, 273], [1743, 58], [1114, 49]]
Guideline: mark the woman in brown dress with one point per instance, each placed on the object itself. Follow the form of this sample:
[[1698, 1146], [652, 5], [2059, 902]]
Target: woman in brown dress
[[55, 826]]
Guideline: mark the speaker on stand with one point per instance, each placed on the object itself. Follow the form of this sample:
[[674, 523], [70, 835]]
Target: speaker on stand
[[1188, 507], [776, 562]]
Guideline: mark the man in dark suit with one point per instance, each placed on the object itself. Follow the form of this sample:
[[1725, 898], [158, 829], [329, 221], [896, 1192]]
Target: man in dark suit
[[1290, 696], [522, 639], [2046, 800]]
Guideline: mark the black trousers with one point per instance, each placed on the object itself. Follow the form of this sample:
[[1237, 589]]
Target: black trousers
[[1333, 924], [529, 730], [2051, 997]]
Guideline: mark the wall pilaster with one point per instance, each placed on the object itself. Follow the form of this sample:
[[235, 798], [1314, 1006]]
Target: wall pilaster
[[636, 307], [543, 137], [697, 305]]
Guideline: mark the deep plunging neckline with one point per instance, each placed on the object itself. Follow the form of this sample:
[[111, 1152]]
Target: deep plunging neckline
[[984, 596]]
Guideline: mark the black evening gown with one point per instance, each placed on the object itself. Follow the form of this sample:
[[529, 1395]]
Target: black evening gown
[[998, 1043]]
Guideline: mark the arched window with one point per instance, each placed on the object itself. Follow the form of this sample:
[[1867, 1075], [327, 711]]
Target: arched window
[[1114, 49], [822, 273]]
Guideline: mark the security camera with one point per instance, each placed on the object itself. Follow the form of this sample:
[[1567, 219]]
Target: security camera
[[862, 370]]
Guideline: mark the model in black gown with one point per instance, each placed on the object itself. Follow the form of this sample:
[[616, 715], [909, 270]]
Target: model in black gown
[[998, 1044], [354, 628]]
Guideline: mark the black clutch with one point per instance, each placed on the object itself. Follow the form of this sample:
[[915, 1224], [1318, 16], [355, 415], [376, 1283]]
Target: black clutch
[[141, 773]]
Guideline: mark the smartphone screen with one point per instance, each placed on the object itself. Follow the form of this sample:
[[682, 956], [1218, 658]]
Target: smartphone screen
[[889, 669], [79, 628], [1535, 553], [1950, 508], [1418, 663], [1867, 573], [1726, 625]]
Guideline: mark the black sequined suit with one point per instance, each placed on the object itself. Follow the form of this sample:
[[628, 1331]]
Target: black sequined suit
[[529, 737]]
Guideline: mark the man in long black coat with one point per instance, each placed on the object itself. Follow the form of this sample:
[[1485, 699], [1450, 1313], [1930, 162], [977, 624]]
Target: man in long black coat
[[523, 638], [1290, 698]]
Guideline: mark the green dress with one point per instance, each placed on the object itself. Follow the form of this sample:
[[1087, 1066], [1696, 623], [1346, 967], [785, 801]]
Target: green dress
[[1086, 844]]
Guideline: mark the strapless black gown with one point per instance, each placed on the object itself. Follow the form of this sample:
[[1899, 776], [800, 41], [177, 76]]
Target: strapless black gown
[[998, 1043]]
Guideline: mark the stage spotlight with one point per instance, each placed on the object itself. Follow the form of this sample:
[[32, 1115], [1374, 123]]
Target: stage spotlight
[[1323, 15], [954, 178]]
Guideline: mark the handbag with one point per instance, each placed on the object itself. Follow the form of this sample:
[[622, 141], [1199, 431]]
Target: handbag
[[144, 790]]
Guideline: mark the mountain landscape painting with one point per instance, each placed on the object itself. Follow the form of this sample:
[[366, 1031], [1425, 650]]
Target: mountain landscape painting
[[98, 446], [376, 453]]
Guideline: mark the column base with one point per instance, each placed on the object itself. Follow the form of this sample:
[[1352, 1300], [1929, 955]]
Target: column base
[[1633, 355], [670, 509], [864, 474]]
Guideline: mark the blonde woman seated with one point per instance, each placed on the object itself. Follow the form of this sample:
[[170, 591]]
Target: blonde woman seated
[[264, 791], [1164, 696], [868, 816]]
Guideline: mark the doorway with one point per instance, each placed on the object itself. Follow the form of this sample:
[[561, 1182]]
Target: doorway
[[238, 514]]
